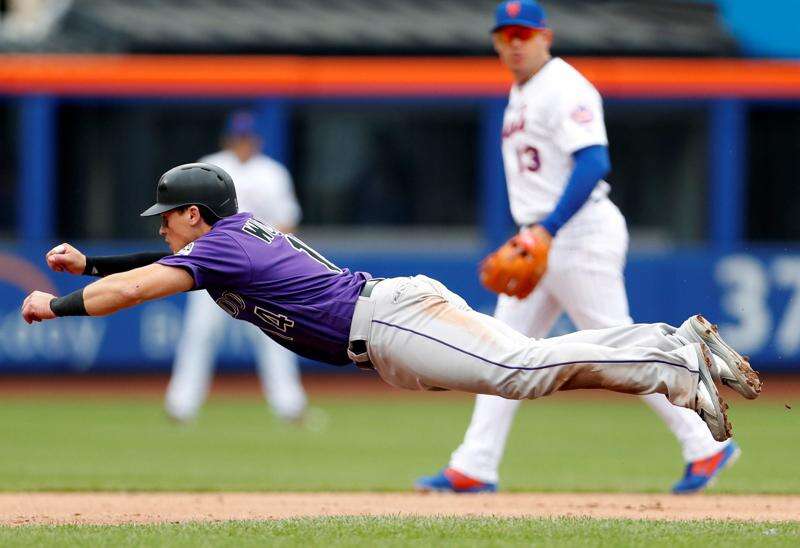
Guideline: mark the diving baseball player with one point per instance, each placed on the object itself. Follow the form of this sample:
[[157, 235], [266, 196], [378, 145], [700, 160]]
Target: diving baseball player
[[263, 187], [555, 154], [413, 331]]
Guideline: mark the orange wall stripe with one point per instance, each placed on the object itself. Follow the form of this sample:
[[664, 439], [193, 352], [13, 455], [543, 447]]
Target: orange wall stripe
[[134, 75]]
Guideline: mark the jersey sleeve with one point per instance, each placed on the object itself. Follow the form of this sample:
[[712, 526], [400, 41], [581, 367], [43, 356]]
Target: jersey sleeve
[[213, 260], [578, 120]]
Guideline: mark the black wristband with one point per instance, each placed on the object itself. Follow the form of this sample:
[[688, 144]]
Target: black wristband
[[89, 269], [69, 305]]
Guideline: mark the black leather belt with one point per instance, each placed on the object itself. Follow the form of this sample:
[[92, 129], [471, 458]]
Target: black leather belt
[[359, 346]]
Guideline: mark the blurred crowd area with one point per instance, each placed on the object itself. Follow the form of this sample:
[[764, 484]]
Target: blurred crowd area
[[394, 163]]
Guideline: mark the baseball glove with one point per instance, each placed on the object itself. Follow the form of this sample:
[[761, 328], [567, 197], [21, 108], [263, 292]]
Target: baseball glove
[[517, 266]]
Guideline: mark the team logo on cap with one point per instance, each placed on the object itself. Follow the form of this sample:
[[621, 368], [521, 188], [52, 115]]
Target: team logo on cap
[[513, 9]]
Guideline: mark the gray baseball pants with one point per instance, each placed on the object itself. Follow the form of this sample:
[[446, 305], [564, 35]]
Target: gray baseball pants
[[422, 336]]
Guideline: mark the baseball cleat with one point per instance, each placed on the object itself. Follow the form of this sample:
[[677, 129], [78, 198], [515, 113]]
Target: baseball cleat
[[731, 369], [453, 481], [708, 403], [702, 473]]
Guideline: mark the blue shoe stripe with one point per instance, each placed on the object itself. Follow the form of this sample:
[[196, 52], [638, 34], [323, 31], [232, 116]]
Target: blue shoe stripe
[[440, 483], [692, 483]]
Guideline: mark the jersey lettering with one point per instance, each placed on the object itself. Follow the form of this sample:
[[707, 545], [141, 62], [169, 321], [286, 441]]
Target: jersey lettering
[[267, 234], [262, 231]]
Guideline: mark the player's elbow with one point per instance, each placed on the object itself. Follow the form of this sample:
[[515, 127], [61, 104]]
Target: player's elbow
[[127, 290], [131, 293]]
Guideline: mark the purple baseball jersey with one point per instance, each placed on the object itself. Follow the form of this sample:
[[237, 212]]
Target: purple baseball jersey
[[276, 282]]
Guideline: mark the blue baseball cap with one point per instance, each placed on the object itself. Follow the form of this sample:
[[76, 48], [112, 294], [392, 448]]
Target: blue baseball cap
[[524, 13], [241, 123]]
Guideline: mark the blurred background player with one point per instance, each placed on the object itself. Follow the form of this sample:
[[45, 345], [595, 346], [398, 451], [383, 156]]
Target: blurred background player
[[555, 154], [264, 188]]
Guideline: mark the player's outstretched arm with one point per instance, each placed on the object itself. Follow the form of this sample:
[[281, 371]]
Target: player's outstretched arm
[[110, 294], [134, 287], [66, 258]]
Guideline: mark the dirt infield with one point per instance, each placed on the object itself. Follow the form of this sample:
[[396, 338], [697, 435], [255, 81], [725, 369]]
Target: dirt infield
[[118, 508]]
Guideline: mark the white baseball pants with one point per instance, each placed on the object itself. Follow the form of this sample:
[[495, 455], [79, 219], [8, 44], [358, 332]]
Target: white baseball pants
[[203, 328], [421, 336], [585, 280]]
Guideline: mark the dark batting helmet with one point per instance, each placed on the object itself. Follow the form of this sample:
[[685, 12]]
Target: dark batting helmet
[[195, 184]]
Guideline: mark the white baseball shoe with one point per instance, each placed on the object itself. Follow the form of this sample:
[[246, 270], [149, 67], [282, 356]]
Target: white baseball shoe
[[731, 369], [708, 403]]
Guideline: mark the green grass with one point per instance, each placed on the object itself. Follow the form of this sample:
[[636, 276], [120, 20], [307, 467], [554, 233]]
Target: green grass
[[396, 531], [558, 444]]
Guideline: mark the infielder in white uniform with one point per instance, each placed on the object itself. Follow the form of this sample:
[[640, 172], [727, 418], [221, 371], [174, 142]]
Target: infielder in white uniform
[[264, 187], [555, 155]]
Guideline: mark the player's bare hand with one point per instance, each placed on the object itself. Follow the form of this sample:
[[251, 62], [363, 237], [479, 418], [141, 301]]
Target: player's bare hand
[[65, 258], [36, 307]]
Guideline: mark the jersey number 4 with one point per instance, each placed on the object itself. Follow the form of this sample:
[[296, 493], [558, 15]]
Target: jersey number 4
[[528, 158]]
